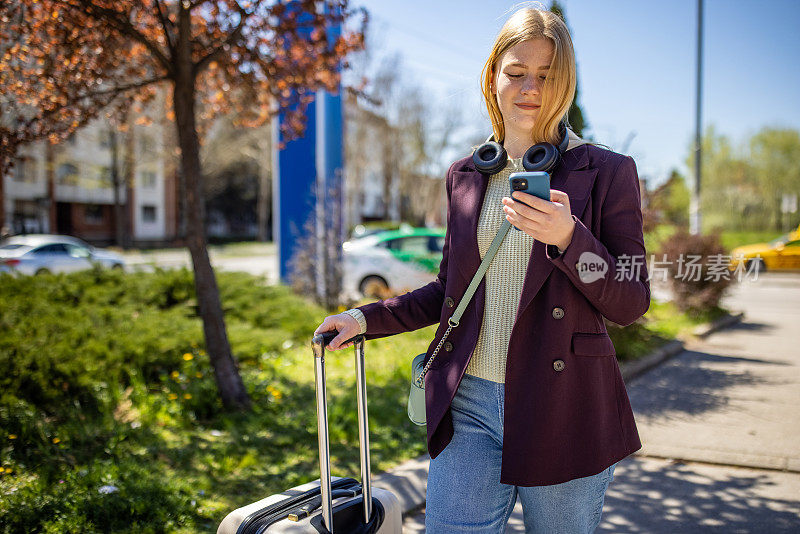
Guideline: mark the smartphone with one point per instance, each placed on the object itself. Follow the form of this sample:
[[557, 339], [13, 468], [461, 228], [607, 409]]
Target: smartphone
[[534, 183]]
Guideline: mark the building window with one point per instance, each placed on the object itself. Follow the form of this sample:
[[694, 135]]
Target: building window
[[148, 214], [93, 214], [25, 170], [106, 180], [67, 174], [146, 145], [105, 138], [148, 179]]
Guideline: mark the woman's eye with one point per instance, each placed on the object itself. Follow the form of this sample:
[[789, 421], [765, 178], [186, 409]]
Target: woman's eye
[[515, 75]]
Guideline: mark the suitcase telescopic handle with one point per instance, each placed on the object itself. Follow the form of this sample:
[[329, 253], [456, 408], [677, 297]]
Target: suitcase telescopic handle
[[318, 343]]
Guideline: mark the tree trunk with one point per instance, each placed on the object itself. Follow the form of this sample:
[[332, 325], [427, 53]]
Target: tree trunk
[[229, 382], [130, 172], [3, 226]]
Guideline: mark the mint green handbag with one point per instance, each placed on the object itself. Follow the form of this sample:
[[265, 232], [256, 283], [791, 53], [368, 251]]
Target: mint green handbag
[[416, 396]]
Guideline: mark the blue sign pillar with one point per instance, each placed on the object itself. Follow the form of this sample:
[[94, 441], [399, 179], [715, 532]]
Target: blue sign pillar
[[307, 179]]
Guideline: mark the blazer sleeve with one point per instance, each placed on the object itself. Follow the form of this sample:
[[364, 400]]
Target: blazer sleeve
[[623, 294], [416, 309]]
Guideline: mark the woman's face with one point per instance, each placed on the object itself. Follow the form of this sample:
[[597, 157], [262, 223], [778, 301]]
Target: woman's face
[[518, 84]]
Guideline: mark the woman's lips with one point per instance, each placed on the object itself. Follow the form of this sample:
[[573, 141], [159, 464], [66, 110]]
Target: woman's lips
[[527, 106]]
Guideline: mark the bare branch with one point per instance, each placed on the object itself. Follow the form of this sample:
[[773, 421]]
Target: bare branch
[[122, 88], [165, 25], [235, 34], [123, 25]]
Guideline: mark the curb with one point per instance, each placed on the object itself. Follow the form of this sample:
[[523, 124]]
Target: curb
[[408, 481], [631, 370], [705, 330]]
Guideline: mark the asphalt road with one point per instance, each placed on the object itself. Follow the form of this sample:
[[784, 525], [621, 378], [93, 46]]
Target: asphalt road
[[258, 259]]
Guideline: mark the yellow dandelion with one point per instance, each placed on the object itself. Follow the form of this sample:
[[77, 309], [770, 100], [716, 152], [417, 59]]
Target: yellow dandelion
[[8, 470], [172, 396], [12, 436], [187, 396], [198, 374], [56, 440], [175, 374], [188, 357]]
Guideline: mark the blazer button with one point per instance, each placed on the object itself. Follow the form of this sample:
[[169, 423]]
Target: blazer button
[[558, 365], [448, 346], [449, 302], [558, 313]]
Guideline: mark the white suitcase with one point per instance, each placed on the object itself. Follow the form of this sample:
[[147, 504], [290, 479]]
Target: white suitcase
[[344, 503]]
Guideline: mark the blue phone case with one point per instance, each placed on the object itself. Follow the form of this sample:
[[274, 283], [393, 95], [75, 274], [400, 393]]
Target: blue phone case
[[535, 183]]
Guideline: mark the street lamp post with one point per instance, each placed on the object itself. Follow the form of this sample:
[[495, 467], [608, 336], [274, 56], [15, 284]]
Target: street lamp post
[[694, 216]]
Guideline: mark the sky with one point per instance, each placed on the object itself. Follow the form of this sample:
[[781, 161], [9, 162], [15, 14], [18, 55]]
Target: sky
[[636, 62]]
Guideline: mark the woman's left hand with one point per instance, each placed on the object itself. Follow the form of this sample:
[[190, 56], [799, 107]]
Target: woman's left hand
[[549, 222]]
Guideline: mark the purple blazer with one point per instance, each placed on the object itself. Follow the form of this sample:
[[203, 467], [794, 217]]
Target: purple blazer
[[567, 413]]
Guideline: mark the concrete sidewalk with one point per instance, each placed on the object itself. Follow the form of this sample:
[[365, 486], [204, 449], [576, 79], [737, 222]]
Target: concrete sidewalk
[[720, 427]]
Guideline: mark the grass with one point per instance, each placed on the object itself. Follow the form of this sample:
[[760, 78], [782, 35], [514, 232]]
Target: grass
[[730, 239], [110, 421]]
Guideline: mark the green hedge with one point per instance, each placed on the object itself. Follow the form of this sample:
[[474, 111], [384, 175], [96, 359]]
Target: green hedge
[[104, 381]]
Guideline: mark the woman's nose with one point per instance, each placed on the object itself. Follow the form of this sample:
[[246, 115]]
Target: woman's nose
[[529, 85]]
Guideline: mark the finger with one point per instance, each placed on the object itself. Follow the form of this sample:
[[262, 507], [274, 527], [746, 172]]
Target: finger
[[526, 225], [520, 210], [336, 343], [559, 196], [324, 327], [521, 222], [533, 201]]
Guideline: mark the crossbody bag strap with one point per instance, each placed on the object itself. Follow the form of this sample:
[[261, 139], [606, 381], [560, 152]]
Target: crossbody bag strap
[[454, 319]]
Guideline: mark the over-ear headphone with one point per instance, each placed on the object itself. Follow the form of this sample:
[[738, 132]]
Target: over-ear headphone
[[491, 157]]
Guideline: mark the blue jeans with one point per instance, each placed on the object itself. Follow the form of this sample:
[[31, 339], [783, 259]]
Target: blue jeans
[[464, 491]]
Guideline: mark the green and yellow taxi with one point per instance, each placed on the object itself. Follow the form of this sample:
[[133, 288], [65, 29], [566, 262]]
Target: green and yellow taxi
[[392, 262]]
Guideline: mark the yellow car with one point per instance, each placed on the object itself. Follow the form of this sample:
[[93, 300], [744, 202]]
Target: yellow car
[[780, 254]]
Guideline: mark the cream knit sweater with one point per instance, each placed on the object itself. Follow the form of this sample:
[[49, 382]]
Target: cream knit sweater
[[504, 278]]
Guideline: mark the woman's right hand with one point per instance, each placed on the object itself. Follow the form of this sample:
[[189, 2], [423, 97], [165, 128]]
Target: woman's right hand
[[345, 324]]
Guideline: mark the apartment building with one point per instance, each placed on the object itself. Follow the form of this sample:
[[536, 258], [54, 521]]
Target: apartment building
[[68, 188]]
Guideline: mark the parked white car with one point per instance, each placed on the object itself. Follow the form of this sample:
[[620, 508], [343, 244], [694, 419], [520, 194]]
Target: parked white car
[[48, 253], [392, 262]]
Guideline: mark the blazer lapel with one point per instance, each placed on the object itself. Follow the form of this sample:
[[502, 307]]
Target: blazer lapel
[[575, 178], [466, 198]]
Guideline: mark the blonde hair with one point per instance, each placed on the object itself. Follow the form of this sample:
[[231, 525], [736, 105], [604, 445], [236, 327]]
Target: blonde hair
[[559, 88]]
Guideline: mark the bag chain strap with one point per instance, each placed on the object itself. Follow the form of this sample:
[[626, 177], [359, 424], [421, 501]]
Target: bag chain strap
[[453, 321], [421, 376]]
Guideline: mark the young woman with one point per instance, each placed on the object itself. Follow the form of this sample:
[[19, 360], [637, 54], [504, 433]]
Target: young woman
[[525, 399]]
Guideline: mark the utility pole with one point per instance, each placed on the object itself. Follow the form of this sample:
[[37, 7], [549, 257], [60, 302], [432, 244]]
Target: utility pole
[[694, 215]]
